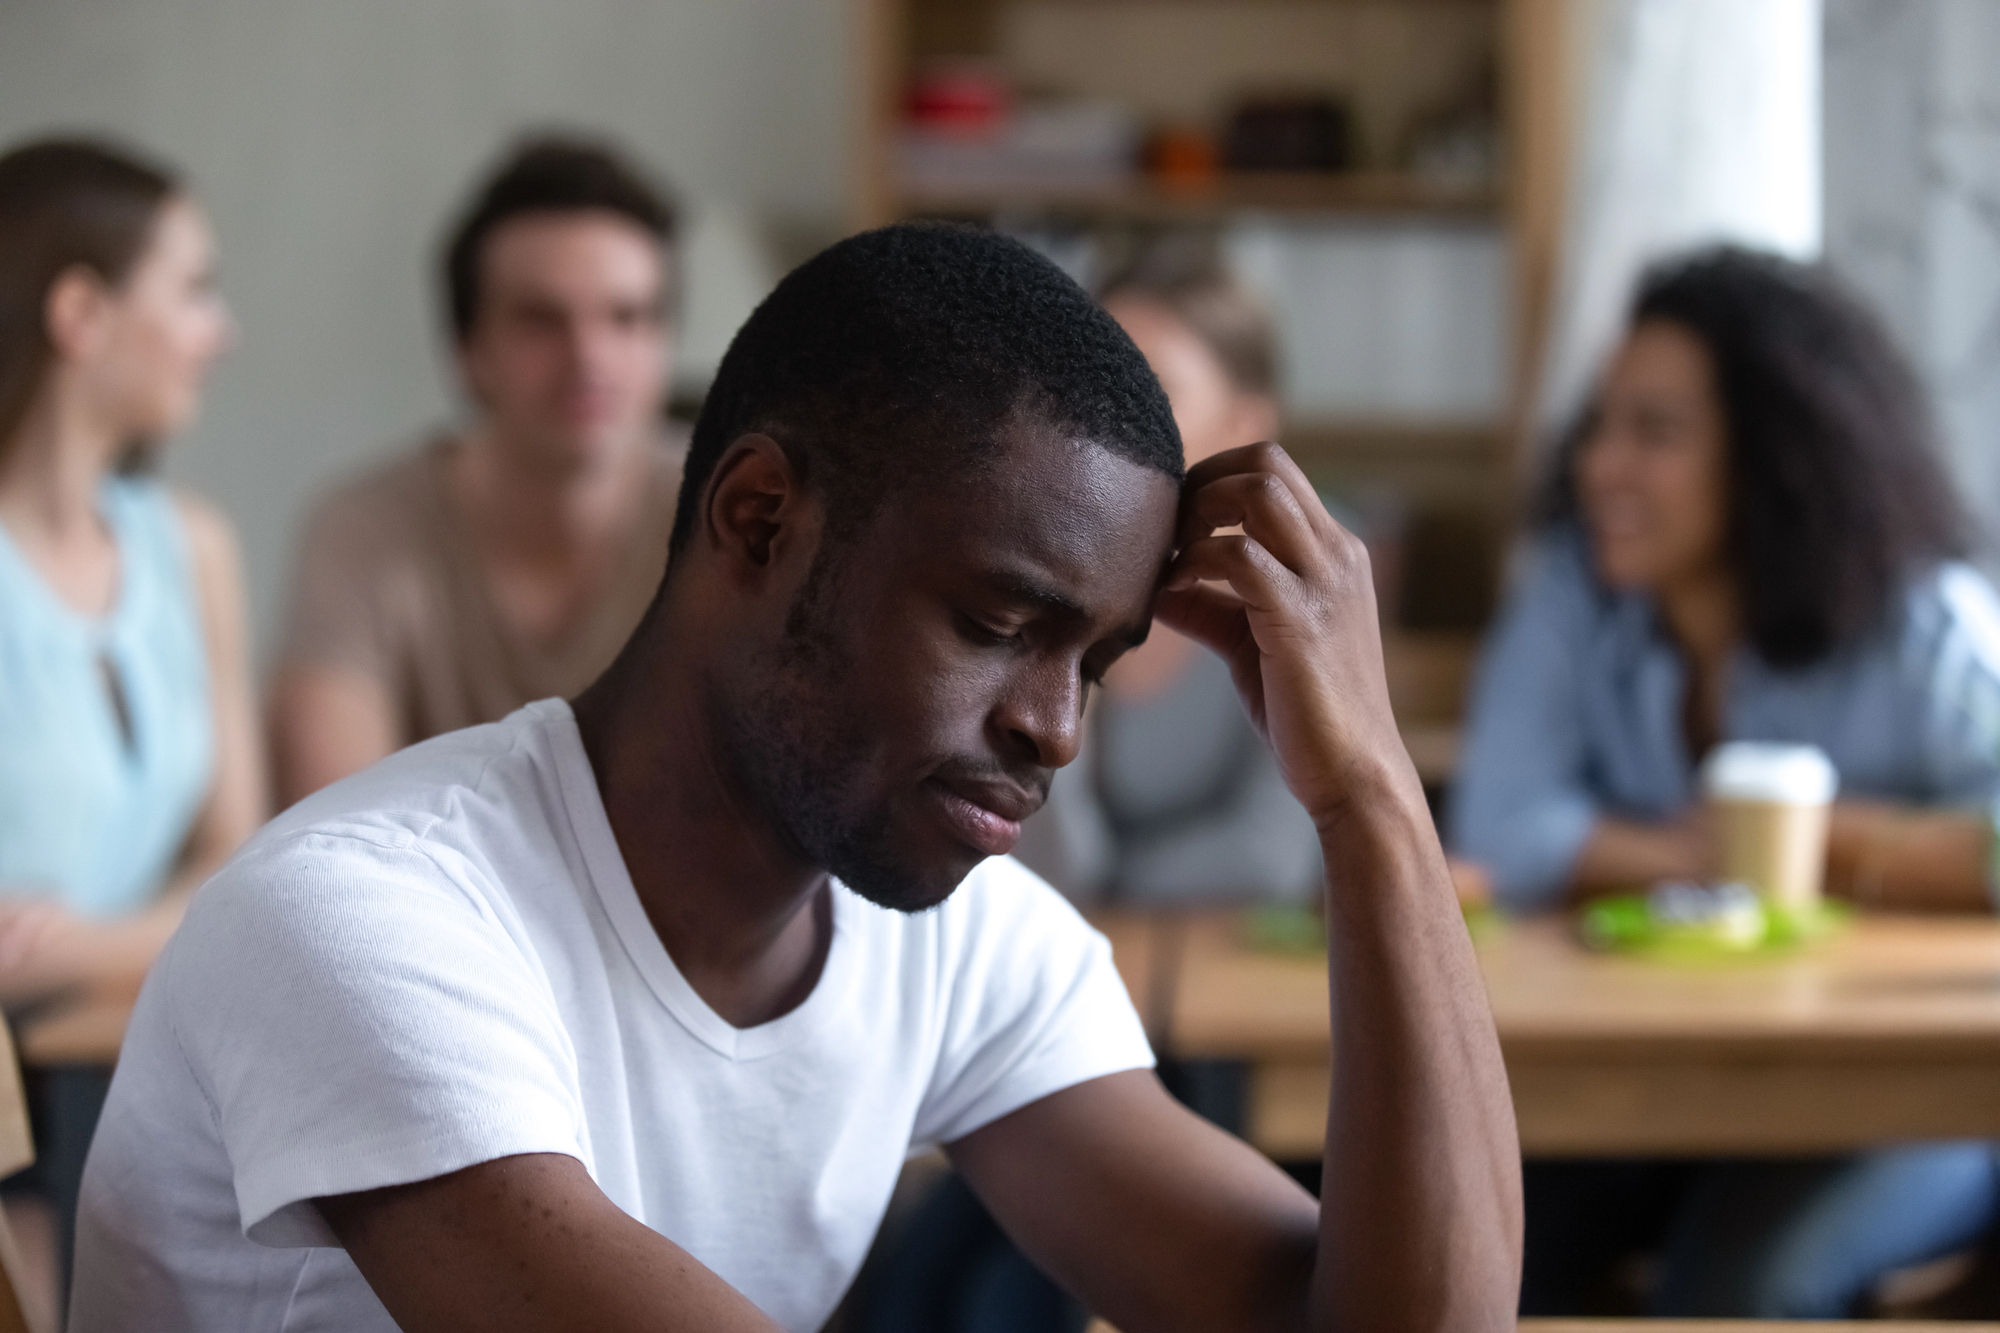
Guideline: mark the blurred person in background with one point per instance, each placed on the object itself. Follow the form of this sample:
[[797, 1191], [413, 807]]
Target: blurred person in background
[[1175, 798], [1748, 538], [507, 561], [129, 764]]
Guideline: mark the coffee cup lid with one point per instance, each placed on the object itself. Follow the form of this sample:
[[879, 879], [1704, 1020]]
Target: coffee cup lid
[[1764, 771]]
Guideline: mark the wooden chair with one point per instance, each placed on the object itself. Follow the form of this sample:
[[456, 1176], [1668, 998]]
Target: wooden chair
[[17, 1150]]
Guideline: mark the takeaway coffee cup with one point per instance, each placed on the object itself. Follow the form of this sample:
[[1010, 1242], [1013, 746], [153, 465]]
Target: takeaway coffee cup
[[1770, 804]]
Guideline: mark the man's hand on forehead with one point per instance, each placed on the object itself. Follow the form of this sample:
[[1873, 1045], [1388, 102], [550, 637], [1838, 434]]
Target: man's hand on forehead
[[1420, 1128], [1265, 577]]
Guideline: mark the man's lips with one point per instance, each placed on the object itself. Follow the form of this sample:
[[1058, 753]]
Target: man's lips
[[984, 816]]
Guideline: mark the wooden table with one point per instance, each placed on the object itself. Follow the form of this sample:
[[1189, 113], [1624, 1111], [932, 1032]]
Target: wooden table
[[87, 1030], [1890, 1031]]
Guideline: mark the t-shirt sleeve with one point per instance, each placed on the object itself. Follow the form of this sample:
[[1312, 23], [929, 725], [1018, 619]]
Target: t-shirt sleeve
[[336, 615], [357, 1019], [1032, 1004]]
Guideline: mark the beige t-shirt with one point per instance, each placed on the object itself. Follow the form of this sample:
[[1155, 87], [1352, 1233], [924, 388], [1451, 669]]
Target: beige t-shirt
[[388, 585]]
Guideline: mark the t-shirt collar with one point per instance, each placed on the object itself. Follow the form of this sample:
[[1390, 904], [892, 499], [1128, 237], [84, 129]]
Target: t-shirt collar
[[605, 868]]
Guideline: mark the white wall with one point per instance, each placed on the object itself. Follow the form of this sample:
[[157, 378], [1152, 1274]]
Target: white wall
[[330, 139], [1383, 320], [1701, 123], [1913, 206]]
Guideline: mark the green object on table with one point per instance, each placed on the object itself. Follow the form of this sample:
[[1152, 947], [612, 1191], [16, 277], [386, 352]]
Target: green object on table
[[1284, 928], [1292, 928], [1483, 922], [1628, 924]]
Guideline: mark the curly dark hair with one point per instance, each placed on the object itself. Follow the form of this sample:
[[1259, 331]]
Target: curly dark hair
[[1836, 497], [901, 354], [553, 173]]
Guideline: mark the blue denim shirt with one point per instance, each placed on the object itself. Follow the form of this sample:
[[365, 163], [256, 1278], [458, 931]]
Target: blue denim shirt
[[1576, 713]]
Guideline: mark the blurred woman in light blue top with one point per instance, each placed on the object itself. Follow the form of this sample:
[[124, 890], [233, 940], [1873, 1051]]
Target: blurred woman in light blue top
[[129, 767], [1748, 538]]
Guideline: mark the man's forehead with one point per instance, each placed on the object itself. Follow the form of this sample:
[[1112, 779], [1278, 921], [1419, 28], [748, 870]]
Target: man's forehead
[[1065, 515], [549, 250]]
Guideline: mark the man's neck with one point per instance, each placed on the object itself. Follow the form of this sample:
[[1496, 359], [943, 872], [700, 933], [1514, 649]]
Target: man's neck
[[528, 510], [746, 922], [548, 538]]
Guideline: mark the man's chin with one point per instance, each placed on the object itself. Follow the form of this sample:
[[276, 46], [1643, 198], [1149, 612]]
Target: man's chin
[[905, 890]]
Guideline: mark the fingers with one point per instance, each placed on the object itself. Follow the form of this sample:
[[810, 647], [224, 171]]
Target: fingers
[[1212, 617], [1263, 504], [1261, 489], [1257, 578], [1266, 457]]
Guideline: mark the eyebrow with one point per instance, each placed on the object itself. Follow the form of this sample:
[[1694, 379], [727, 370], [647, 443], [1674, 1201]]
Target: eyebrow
[[1024, 588], [1021, 587]]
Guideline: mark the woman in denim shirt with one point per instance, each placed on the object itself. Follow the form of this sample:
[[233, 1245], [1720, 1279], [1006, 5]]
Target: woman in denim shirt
[[1747, 539]]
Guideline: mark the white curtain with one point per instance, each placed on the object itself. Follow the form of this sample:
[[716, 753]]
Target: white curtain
[[1700, 122], [1913, 204]]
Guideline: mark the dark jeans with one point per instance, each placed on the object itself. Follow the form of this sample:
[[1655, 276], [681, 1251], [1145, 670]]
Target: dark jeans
[[1803, 1238]]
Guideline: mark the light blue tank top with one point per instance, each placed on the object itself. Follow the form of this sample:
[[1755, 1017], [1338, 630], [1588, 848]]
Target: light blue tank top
[[94, 809]]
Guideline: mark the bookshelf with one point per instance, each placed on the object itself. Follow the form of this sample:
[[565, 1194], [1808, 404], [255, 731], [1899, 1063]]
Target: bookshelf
[[1394, 66]]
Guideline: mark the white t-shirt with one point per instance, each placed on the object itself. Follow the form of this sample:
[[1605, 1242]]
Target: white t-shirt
[[443, 961]]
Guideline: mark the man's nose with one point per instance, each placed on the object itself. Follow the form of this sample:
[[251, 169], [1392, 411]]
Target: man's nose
[[1040, 717], [586, 344]]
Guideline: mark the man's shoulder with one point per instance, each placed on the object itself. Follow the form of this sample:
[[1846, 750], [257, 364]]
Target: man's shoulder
[[437, 803]]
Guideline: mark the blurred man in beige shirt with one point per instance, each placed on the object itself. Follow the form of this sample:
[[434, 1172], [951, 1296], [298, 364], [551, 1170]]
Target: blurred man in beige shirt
[[507, 561]]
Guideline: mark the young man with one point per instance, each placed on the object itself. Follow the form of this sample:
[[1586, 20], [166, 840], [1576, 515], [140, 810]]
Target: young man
[[507, 562], [624, 1015]]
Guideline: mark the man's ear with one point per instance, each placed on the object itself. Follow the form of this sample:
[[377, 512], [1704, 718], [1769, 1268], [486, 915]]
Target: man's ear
[[756, 512]]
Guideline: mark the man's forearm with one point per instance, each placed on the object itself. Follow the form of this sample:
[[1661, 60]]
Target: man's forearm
[[1421, 1206], [527, 1243]]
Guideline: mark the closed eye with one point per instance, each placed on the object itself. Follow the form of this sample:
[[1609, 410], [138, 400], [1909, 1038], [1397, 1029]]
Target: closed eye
[[979, 632]]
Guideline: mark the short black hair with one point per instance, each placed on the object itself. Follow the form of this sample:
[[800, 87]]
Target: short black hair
[[1836, 497], [899, 352], [553, 174]]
